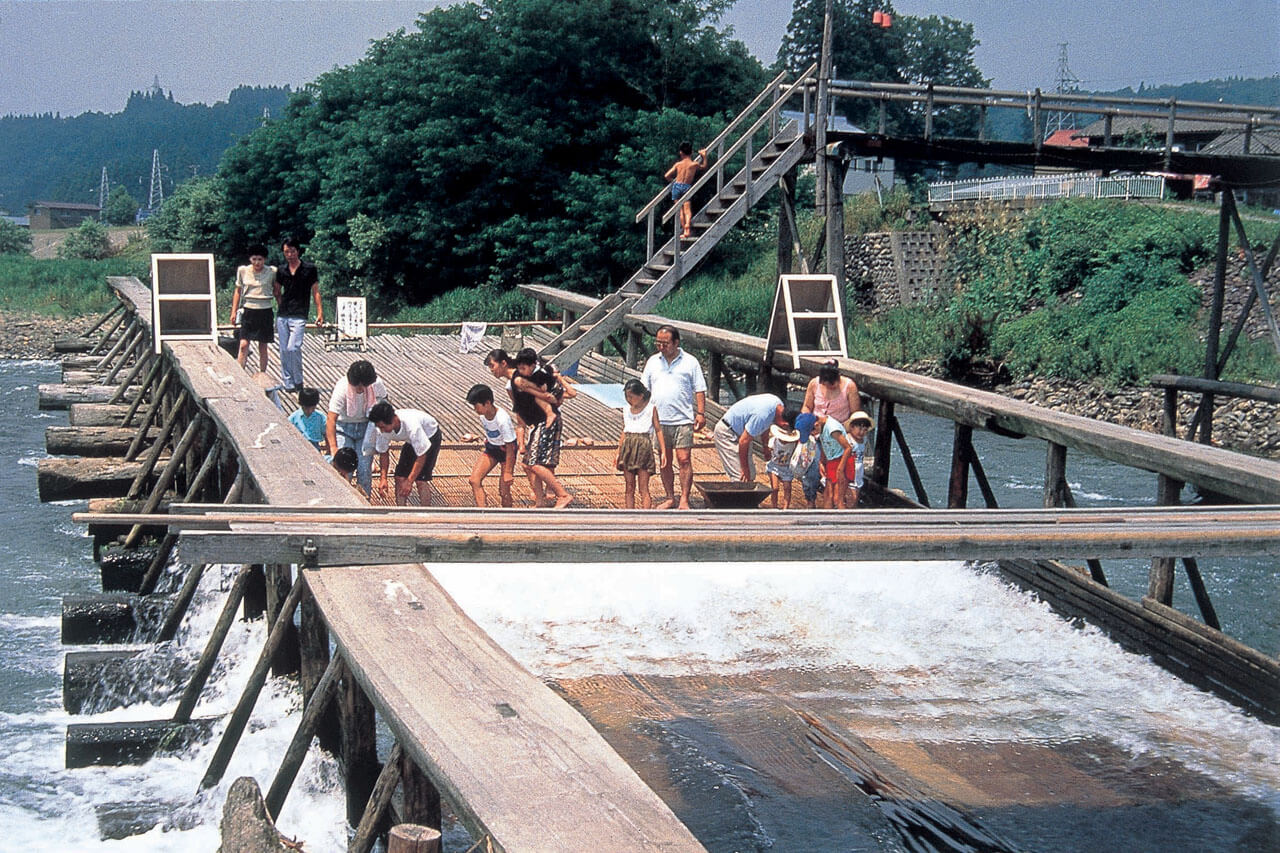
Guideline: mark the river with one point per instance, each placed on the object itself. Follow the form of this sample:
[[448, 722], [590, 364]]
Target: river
[[907, 651]]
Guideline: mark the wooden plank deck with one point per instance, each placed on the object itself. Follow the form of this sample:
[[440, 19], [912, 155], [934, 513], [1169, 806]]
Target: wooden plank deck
[[516, 763]]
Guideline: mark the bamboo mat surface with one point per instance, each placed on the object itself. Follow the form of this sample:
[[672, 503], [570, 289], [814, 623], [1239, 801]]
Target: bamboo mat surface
[[428, 372]]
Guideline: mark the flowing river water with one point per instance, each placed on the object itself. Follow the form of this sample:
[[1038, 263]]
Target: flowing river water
[[711, 679]]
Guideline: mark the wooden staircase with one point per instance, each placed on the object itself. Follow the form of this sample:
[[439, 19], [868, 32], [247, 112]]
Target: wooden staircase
[[668, 263]]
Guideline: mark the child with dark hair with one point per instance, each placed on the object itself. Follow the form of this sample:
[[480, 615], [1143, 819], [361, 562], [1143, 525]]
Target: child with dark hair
[[682, 175], [251, 303], [422, 439], [538, 440], [536, 373], [345, 462], [635, 446], [499, 446], [308, 421]]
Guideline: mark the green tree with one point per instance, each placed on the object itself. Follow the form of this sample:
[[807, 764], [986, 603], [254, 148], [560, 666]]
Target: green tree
[[121, 208], [14, 239], [503, 141], [88, 241], [940, 51], [191, 220]]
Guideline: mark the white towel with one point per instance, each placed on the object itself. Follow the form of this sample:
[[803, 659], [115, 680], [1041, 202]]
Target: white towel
[[472, 337]]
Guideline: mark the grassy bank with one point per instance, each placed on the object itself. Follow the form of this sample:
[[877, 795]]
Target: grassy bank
[[1076, 290], [61, 288]]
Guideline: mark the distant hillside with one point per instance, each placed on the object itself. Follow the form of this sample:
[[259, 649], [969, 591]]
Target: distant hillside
[[1261, 91], [47, 157]]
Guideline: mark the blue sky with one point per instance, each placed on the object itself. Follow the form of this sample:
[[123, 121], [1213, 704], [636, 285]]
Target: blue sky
[[71, 56]]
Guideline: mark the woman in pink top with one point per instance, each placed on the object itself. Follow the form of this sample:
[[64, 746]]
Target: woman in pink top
[[832, 395]]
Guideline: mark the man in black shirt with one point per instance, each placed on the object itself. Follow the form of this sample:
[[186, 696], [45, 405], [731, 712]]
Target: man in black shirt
[[297, 283]]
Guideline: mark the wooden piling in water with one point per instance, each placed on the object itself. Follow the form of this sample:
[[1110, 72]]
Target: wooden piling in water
[[315, 708], [373, 812]]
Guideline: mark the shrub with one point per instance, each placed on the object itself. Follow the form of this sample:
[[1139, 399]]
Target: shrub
[[14, 239], [89, 241]]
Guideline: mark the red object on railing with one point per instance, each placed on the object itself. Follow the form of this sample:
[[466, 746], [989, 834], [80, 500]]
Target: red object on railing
[[886, 20], [877, 18]]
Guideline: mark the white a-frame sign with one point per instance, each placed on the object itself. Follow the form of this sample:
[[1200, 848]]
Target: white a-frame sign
[[805, 308]]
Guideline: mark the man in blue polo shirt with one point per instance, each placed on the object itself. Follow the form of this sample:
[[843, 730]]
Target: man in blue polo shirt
[[679, 390], [746, 419]]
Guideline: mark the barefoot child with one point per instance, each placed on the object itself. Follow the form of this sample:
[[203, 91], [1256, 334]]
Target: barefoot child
[[635, 445], [837, 460], [422, 438], [534, 376], [499, 446], [682, 174]]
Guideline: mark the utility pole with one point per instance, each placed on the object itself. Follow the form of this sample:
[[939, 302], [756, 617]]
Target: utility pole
[[821, 109], [104, 192]]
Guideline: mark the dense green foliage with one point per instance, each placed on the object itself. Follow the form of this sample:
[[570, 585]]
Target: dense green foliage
[[66, 288], [1074, 290], [122, 208], [501, 142], [14, 239], [88, 241], [48, 157]]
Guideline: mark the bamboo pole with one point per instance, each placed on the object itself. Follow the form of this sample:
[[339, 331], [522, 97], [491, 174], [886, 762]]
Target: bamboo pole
[[383, 789], [176, 460], [208, 657], [240, 716], [153, 455], [297, 751], [156, 393]]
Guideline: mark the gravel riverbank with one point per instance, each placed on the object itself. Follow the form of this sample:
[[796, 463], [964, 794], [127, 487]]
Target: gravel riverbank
[[32, 335]]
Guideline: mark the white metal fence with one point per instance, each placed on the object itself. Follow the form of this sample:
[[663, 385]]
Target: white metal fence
[[1074, 185]]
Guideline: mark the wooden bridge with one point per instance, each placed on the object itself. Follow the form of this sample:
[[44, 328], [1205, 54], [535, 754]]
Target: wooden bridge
[[518, 764]]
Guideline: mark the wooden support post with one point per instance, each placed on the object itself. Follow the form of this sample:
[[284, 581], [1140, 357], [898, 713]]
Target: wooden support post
[[420, 797], [359, 746], [374, 807], [240, 716], [255, 592], [413, 838], [540, 309], [981, 476], [713, 376], [752, 381], [102, 342], [130, 352], [633, 353], [1257, 277], [787, 238], [1055, 476], [166, 475], [958, 486], [1201, 593], [1160, 580], [161, 440], [161, 558], [122, 344], [286, 659], [104, 319], [1204, 414], [187, 592], [145, 359], [1169, 416], [156, 393], [313, 642], [1248, 306], [297, 751], [909, 463], [834, 232], [191, 694], [884, 444]]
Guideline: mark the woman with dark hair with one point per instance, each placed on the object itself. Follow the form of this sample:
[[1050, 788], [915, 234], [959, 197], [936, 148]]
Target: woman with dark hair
[[347, 421], [834, 396], [251, 305]]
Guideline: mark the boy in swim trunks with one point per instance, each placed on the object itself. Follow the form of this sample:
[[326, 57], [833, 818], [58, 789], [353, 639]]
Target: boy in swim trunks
[[682, 174]]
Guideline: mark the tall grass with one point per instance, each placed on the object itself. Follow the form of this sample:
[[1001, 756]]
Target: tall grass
[[63, 287]]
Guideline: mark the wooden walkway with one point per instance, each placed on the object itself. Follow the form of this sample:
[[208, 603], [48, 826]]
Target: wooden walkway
[[427, 372]]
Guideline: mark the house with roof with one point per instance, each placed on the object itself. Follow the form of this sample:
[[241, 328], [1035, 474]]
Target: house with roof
[[47, 215]]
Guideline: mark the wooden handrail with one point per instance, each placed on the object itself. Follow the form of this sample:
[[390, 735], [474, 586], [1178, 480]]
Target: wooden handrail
[[1198, 385]]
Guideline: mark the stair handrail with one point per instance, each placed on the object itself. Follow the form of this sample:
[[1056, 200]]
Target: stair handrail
[[775, 90]]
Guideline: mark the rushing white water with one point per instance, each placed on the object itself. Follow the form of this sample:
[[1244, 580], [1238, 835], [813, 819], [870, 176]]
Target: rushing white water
[[939, 650], [943, 650]]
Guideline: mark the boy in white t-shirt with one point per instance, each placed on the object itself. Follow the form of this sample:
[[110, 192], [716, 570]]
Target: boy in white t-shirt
[[422, 438], [499, 446]]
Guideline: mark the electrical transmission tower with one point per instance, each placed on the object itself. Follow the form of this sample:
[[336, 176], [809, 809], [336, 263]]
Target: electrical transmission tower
[[156, 198], [1068, 83], [104, 192]]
